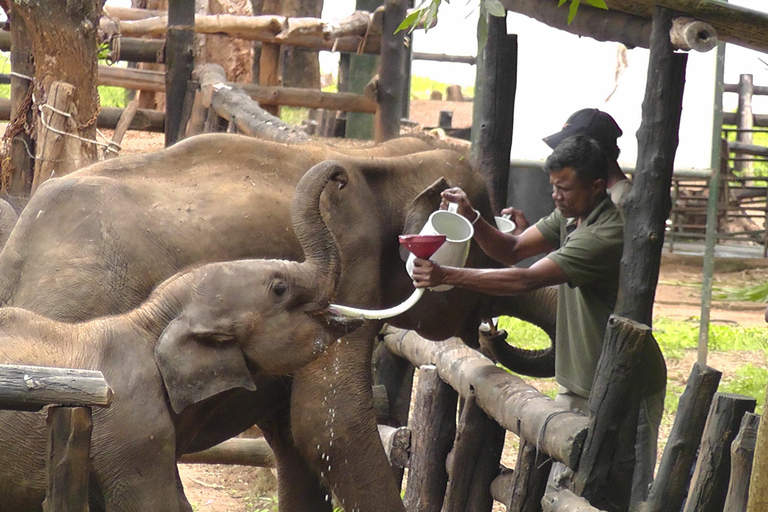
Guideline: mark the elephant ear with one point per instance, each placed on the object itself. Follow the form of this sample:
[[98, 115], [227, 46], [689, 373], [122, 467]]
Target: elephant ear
[[195, 367], [421, 207]]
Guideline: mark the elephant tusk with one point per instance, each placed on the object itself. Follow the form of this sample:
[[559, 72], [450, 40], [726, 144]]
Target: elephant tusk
[[373, 314]]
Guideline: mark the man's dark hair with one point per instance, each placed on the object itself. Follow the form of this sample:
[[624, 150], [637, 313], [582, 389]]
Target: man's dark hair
[[584, 154]]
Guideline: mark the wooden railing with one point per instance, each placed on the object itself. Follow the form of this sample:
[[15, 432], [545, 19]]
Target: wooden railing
[[70, 394]]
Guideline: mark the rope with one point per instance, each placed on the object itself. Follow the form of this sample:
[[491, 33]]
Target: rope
[[364, 40], [107, 147], [544, 428]]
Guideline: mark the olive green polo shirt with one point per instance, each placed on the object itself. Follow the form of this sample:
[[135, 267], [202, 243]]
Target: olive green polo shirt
[[589, 255]]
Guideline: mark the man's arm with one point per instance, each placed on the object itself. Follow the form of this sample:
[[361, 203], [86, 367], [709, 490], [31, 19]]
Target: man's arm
[[502, 281], [509, 249]]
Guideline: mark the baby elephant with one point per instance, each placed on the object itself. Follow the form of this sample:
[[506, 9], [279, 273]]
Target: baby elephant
[[209, 335]]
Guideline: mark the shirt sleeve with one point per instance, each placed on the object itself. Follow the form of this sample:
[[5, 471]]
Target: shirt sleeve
[[549, 227], [588, 256]]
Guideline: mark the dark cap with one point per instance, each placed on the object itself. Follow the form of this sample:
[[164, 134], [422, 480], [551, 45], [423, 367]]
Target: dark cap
[[593, 123]]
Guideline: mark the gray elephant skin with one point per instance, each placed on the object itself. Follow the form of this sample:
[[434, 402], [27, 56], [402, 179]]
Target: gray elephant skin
[[97, 241], [203, 336]]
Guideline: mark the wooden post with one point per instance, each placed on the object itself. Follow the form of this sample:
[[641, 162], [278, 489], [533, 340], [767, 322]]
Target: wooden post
[[529, 480], [604, 478], [196, 123], [671, 483], [16, 179], [53, 125], [67, 465], [269, 71], [492, 131], [434, 428], [179, 64], [746, 122], [396, 375], [710, 479], [648, 204], [391, 73], [474, 460], [758, 491], [742, 453], [446, 119], [126, 118]]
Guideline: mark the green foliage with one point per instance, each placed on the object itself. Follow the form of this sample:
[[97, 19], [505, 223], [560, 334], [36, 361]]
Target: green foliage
[[426, 13], [756, 293], [749, 380], [523, 334], [758, 169], [294, 115], [112, 96], [676, 336]]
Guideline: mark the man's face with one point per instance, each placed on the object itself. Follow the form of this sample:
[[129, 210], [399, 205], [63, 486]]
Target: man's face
[[573, 197]]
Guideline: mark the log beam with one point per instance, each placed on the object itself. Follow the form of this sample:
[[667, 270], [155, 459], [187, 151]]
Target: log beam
[[29, 388], [515, 405]]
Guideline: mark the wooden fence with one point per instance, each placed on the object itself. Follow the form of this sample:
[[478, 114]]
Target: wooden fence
[[71, 394], [742, 212]]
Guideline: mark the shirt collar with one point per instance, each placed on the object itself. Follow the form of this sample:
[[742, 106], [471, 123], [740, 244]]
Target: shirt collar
[[606, 203]]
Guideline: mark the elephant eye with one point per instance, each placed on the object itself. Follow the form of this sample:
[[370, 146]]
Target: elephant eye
[[279, 288]]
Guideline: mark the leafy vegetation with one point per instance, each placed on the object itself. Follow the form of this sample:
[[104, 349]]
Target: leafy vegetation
[[674, 338], [427, 11]]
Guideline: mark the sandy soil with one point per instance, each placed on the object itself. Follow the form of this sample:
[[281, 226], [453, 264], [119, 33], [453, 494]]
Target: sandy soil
[[214, 488]]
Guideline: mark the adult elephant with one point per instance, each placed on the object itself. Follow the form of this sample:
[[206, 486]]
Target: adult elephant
[[95, 242], [203, 336]]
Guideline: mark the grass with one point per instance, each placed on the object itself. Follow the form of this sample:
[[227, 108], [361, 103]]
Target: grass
[[675, 337]]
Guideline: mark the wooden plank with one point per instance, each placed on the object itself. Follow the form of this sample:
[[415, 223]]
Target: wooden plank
[[17, 178], [390, 87], [671, 483], [138, 79], [434, 412], [742, 454], [269, 71], [710, 479], [474, 460], [515, 405], [29, 388], [67, 463], [397, 445]]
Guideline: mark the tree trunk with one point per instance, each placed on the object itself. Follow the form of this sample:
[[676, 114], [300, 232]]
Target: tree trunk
[[66, 51]]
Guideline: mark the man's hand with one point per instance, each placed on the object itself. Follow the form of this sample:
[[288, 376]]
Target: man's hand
[[427, 274], [458, 196], [518, 217]]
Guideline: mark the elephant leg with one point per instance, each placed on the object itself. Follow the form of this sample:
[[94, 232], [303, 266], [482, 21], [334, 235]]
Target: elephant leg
[[334, 425], [298, 487]]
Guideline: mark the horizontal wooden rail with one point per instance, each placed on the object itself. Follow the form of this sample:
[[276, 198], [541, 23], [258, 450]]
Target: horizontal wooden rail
[[145, 119], [758, 89], [146, 80], [29, 388], [256, 451], [515, 405]]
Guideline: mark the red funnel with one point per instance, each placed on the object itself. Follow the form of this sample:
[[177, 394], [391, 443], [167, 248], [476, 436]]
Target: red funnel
[[422, 246]]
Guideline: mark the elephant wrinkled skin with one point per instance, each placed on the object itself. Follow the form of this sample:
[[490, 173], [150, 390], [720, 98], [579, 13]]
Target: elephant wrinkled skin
[[95, 242], [201, 338]]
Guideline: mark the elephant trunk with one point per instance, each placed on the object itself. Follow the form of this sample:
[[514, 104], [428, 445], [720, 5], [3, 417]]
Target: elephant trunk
[[321, 251]]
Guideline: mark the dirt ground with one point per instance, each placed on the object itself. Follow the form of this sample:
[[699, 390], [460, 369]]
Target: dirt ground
[[215, 488]]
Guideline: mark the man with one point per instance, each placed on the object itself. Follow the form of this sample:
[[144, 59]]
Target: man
[[583, 241], [602, 128]]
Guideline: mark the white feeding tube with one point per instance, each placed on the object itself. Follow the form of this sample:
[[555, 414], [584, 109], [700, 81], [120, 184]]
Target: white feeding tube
[[376, 314]]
